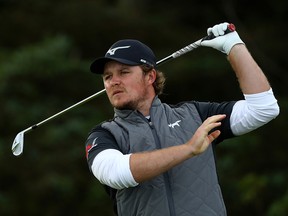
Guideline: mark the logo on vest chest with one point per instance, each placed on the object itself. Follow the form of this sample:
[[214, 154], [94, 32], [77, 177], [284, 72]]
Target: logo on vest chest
[[172, 125]]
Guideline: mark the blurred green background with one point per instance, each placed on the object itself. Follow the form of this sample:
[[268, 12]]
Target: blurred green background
[[46, 48]]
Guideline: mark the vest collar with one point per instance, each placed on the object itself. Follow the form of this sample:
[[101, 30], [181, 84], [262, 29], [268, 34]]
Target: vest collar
[[125, 113]]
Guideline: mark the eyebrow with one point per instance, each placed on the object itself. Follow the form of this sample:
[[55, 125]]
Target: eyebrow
[[122, 67]]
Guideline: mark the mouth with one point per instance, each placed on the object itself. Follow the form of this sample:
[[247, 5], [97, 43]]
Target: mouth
[[116, 92]]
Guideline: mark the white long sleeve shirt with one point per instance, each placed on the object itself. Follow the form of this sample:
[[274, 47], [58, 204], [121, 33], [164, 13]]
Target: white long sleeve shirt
[[112, 168]]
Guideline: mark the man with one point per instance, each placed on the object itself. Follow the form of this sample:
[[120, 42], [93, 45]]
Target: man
[[158, 159]]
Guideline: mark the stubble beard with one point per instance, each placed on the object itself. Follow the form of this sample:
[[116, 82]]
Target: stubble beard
[[132, 104]]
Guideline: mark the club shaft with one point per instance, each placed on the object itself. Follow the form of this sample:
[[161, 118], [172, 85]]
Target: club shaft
[[180, 52], [69, 108], [176, 54], [17, 147]]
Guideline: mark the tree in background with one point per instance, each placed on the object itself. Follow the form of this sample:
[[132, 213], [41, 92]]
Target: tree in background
[[43, 73]]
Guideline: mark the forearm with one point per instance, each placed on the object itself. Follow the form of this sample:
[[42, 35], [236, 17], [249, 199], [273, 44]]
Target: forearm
[[250, 76], [147, 165], [113, 168]]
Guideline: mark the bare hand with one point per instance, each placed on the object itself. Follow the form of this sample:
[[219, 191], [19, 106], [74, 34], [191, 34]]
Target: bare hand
[[202, 138]]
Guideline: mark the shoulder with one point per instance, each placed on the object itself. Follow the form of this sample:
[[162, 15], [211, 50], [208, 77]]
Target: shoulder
[[99, 139], [207, 109], [100, 132]]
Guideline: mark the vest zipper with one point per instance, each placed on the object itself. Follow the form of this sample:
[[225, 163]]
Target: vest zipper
[[165, 175]]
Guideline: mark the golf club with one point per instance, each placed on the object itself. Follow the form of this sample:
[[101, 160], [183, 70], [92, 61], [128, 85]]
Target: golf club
[[18, 144]]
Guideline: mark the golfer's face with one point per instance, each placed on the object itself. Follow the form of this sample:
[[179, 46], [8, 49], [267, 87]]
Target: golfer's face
[[125, 85]]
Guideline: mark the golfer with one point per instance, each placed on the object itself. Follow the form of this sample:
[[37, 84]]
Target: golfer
[[158, 159]]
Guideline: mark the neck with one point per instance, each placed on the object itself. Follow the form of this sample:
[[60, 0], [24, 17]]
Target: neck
[[145, 107]]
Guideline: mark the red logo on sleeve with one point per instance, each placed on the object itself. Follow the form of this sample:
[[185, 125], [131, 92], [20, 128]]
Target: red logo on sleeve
[[91, 146]]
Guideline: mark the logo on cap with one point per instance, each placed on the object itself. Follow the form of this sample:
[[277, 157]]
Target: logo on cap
[[113, 50]]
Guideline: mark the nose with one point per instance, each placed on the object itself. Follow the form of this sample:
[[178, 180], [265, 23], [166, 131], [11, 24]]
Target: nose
[[115, 80]]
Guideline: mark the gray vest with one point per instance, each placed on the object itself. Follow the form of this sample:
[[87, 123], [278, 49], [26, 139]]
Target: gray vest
[[190, 188]]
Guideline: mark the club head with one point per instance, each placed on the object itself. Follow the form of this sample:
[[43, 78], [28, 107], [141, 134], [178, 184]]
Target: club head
[[17, 147]]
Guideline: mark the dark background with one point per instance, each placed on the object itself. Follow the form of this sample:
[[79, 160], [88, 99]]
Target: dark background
[[46, 48]]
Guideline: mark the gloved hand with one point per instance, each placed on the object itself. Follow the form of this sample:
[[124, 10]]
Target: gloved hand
[[222, 42]]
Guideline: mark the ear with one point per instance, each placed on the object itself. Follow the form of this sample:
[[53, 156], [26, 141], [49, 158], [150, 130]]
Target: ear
[[151, 76]]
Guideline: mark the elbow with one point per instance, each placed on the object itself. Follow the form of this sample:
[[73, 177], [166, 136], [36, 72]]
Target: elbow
[[274, 111], [115, 182], [108, 177], [112, 168], [267, 113]]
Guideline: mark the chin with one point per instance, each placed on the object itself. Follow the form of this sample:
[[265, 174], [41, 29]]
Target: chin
[[124, 105]]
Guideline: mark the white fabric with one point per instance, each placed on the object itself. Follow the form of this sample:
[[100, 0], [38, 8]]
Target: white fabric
[[112, 168], [222, 42], [253, 112]]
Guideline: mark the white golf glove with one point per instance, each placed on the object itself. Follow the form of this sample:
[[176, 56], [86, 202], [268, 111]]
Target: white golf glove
[[222, 42]]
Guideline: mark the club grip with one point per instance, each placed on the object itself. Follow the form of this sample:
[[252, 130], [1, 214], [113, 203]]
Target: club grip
[[230, 28]]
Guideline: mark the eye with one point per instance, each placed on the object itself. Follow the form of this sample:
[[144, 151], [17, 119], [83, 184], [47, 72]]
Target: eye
[[107, 77], [125, 72]]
